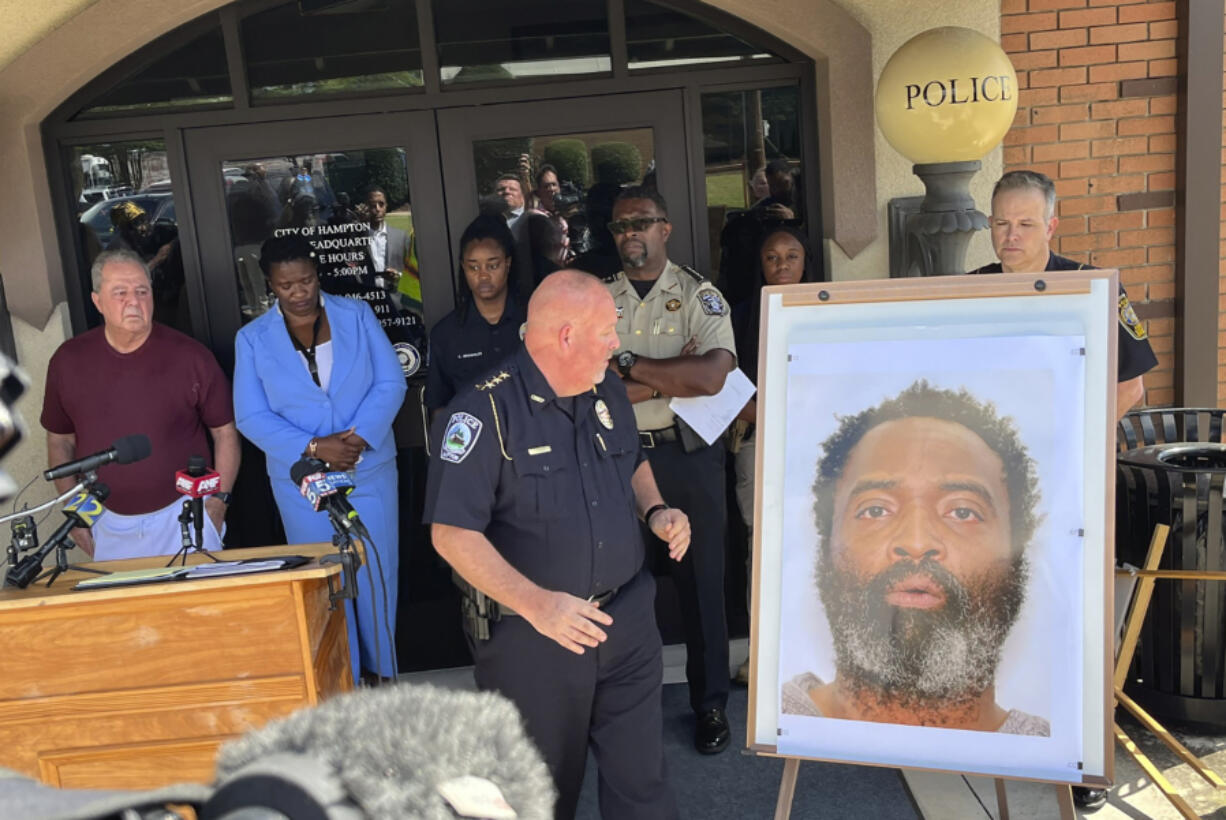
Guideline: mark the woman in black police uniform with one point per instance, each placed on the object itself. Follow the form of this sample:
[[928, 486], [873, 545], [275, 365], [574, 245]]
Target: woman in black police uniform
[[783, 258], [484, 327]]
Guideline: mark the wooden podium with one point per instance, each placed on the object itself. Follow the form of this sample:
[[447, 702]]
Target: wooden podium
[[136, 687]]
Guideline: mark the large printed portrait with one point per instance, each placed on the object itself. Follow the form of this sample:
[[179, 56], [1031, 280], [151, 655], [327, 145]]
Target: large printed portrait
[[932, 553]]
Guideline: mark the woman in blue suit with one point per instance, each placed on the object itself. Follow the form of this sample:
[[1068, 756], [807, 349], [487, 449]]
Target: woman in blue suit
[[317, 376]]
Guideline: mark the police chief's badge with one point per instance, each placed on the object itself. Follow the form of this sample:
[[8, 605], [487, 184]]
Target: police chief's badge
[[712, 305], [460, 438], [673, 305], [409, 358], [602, 413], [1128, 318]]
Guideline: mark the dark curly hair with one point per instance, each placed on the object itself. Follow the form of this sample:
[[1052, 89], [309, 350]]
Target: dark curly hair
[[289, 248], [924, 401]]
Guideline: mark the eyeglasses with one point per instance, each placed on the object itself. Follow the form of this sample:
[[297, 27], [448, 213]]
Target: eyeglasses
[[638, 225]]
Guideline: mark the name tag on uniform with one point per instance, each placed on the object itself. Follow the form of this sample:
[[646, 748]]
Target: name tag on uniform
[[540, 451]]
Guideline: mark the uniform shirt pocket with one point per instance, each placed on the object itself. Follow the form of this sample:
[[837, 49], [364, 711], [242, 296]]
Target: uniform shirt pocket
[[541, 483]]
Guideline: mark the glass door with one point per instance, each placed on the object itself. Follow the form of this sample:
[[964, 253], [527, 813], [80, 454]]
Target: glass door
[[366, 192], [358, 188], [570, 157]]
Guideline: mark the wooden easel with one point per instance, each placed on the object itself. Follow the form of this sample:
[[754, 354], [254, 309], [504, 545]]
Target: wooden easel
[[791, 769], [1132, 629]]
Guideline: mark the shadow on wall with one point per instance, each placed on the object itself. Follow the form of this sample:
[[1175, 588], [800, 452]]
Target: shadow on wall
[[32, 349]]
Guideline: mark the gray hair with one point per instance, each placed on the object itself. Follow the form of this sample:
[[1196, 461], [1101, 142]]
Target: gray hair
[[122, 255], [1029, 181]]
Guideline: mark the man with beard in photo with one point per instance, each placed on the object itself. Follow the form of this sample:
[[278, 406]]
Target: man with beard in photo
[[925, 505]]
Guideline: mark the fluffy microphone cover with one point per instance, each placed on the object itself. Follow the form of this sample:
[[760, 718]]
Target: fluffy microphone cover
[[391, 747]]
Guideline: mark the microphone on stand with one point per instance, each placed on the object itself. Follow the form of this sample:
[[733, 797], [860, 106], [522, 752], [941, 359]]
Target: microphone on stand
[[196, 482], [25, 538], [81, 511], [124, 451], [326, 490]]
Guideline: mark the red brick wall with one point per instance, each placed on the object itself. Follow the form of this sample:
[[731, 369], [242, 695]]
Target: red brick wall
[[1096, 113]]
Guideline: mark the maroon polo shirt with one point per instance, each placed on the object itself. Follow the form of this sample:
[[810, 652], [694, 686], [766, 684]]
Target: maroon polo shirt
[[170, 388]]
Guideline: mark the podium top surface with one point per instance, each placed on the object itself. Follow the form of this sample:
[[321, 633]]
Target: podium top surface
[[62, 593]]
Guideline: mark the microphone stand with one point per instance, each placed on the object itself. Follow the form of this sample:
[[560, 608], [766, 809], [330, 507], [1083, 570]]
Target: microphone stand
[[185, 520], [66, 544], [61, 563], [348, 558]]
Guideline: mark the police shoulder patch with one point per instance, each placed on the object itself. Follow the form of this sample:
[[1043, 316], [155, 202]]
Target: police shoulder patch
[[409, 358], [463, 430], [1129, 320], [712, 302]]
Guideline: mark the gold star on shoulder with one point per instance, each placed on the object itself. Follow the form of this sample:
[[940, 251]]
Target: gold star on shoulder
[[491, 383]]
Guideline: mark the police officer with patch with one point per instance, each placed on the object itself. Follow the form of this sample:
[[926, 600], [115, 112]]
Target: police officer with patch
[[535, 494], [1023, 221], [677, 340]]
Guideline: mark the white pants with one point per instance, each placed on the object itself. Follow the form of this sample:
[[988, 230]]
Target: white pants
[[156, 533]]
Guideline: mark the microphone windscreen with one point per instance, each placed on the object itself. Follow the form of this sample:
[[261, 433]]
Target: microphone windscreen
[[132, 448], [390, 747], [195, 465], [303, 467]]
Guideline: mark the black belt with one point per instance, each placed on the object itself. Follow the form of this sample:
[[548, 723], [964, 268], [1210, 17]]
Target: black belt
[[600, 599], [654, 438]]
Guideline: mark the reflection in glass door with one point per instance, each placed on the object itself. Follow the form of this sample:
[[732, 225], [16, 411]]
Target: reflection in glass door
[[515, 158], [557, 192], [353, 207]]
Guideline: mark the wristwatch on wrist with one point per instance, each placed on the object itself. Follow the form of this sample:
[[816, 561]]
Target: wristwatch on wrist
[[655, 509], [625, 361], [224, 497]]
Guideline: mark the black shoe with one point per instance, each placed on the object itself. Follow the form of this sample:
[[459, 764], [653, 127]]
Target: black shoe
[[711, 732], [1089, 799]]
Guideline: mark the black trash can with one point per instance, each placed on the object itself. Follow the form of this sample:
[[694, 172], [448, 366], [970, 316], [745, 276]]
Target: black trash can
[[1179, 670]]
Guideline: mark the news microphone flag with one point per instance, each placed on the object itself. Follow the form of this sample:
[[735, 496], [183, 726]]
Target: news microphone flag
[[197, 486], [326, 489]]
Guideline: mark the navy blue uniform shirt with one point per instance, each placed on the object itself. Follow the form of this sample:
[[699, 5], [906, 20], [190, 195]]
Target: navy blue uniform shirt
[[547, 480], [1134, 353], [463, 346]]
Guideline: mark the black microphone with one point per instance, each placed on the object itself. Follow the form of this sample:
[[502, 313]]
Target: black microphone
[[124, 451], [196, 469], [326, 489], [82, 511]]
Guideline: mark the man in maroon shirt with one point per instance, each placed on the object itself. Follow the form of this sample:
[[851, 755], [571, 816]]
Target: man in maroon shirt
[[134, 376]]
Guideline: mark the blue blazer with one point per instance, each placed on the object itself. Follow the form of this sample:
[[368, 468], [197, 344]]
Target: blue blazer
[[280, 408]]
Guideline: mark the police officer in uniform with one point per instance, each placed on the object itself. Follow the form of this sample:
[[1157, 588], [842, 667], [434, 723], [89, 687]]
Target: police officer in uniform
[[484, 327], [535, 493], [677, 341], [1023, 222]]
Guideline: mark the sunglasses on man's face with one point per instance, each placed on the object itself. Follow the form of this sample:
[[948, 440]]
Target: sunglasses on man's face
[[638, 225]]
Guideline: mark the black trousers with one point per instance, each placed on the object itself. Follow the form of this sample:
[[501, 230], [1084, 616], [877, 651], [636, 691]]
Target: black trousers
[[608, 697], [694, 483]]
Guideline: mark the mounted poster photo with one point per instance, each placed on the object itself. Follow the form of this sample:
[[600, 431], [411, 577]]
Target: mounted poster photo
[[933, 544]]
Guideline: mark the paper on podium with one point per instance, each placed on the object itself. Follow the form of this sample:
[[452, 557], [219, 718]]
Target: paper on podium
[[710, 416]]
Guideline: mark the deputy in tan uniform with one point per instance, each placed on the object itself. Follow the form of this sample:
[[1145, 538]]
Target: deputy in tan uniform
[[677, 341]]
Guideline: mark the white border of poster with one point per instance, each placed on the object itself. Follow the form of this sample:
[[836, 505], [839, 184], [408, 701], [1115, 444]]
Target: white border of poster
[[1046, 361]]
